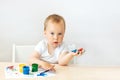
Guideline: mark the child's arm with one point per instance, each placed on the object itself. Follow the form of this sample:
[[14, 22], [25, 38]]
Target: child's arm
[[65, 57], [35, 58]]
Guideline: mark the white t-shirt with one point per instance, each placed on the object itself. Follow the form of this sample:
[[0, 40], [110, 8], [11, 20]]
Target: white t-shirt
[[42, 49]]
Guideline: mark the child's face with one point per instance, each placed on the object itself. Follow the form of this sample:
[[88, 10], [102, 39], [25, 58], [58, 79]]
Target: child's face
[[54, 33]]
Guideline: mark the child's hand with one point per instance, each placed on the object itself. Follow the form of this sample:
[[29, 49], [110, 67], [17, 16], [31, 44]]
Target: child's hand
[[75, 53], [78, 52], [81, 51], [47, 66]]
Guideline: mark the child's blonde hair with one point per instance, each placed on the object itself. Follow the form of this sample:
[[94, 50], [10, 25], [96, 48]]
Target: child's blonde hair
[[54, 18]]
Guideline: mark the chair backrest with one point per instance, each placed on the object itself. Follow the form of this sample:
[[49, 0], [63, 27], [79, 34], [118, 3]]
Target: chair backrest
[[21, 53]]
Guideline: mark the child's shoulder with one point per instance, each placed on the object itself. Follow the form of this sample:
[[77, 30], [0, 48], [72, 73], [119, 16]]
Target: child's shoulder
[[43, 41]]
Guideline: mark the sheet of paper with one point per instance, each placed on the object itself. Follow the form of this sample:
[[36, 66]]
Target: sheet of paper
[[13, 72]]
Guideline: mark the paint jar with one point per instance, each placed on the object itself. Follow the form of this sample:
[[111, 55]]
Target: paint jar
[[21, 67], [34, 67], [26, 70]]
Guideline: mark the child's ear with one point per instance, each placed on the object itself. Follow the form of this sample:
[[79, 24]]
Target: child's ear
[[44, 32]]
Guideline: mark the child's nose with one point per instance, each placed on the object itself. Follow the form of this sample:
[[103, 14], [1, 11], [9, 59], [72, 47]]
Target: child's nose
[[55, 36]]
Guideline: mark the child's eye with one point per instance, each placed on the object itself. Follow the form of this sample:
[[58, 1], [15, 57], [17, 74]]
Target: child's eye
[[52, 33], [59, 33]]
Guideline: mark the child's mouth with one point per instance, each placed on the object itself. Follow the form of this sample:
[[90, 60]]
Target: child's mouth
[[56, 42]]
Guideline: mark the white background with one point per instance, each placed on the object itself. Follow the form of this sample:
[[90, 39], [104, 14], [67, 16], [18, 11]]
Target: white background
[[94, 24]]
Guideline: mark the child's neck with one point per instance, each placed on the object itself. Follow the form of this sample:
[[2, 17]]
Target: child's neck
[[51, 49]]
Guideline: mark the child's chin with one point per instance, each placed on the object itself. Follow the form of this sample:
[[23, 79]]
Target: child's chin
[[56, 45]]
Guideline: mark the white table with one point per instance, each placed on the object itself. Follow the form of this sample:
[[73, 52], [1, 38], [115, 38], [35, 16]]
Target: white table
[[74, 72]]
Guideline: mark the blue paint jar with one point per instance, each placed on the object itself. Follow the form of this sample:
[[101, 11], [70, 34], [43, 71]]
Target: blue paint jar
[[26, 70]]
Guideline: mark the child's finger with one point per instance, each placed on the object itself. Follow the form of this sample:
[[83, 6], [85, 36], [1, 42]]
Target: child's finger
[[76, 53], [81, 51], [52, 68]]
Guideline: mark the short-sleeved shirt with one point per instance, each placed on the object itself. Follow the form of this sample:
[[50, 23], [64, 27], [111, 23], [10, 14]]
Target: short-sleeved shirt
[[42, 49]]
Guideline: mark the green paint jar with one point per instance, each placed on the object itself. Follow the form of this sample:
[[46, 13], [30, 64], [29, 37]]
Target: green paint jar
[[34, 67]]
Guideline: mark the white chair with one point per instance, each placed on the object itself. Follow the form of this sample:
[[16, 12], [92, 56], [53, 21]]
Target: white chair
[[21, 53]]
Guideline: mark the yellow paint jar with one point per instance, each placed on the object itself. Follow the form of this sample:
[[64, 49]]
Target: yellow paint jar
[[21, 67]]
